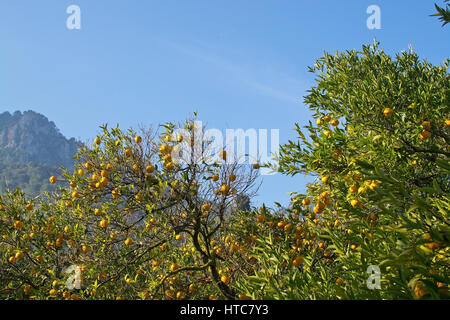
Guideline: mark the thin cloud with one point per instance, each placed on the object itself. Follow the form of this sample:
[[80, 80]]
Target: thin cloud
[[243, 74]]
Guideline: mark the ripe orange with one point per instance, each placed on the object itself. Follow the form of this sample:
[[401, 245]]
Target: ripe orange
[[97, 141], [425, 135], [104, 223], [138, 139], [298, 261], [306, 202], [353, 189], [206, 207], [104, 173], [232, 177], [335, 123], [225, 279], [419, 291], [388, 112], [426, 125], [174, 267], [128, 242], [318, 208], [52, 180], [150, 168], [354, 202], [215, 177], [225, 188], [18, 224], [29, 207]]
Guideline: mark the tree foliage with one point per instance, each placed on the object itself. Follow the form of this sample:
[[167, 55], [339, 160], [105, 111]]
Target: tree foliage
[[380, 151], [137, 224]]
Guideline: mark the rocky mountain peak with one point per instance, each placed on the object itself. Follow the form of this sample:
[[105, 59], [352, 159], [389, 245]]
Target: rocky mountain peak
[[29, 137]]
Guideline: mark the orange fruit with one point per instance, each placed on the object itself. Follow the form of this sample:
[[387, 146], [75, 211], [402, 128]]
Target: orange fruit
[[104, 223], [426, 125], [425, 135], [225, 279], [297, 261], [138, 139], [388, 112], [18, 224], [354, 202]]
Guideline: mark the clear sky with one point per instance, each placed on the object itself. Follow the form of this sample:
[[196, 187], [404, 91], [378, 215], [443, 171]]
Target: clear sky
[[240, 64]]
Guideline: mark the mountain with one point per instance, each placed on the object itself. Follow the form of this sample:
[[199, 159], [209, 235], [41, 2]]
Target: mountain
[[31, 150]]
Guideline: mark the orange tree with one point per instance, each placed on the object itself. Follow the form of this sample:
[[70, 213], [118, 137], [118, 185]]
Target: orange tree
[[379, 208], [129, 222]]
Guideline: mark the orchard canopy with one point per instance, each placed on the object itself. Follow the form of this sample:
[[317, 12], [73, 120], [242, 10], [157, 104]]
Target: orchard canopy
[[129, 222]]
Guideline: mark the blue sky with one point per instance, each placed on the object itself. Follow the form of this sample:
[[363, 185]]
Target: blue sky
[[240, 64]]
